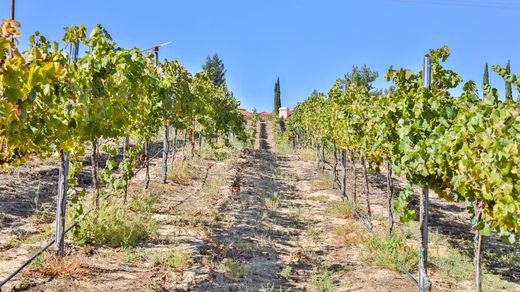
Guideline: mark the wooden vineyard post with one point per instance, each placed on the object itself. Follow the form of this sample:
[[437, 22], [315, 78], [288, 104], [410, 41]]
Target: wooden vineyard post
[[147, 165], [390, 189], [334, 166], [192, 139], [317, 153], [200, 142], [174, 146], [367, 190], [184, 145], [354, 173], [322, 157], [424, 281], [343, 174], [63, 183], [61, 204], [94, 171], [478, 246], [165, 154], [126, 146]]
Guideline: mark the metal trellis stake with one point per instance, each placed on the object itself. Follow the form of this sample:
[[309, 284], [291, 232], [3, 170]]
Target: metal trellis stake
[[12, 9], [63, 184], [424, 282], [166, 129]]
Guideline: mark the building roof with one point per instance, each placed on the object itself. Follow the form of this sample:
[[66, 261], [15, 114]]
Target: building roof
[[245, 113], [264, 115]]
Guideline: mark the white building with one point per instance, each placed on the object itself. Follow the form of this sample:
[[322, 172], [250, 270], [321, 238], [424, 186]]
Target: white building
[[283, 112]]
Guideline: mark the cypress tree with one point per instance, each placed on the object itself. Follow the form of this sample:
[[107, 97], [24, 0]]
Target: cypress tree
[[486, 75], [509, 86], [277, 99]]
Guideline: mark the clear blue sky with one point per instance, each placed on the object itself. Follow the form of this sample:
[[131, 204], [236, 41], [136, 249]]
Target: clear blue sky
[[307, 43]]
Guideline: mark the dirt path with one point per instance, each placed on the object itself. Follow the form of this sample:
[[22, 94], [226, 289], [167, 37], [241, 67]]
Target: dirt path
[[274, 234]]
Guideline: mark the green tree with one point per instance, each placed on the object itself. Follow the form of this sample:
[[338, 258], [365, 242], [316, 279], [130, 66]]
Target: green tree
[[362, 77], [277, 99], [214, 68], [486, 75], [509, 86]]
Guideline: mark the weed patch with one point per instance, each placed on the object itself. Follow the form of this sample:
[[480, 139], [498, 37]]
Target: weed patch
[[385, 252], [216, 154], [344, 209], [306, 154], [235, 271], [349, 234], [117, 224], [286, 272], [214, 184], [48, 265], [173, 258], [273, 201], [319, 198], [314, 233], [321, 183], [182, 173]]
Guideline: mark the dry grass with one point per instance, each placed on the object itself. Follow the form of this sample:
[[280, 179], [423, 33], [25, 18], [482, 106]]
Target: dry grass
[[48, 265], [173, 259], [214, 184], [306, 154], [345, 210], [182, 173], [216, 154], [319, 198], [349, 234], [321, 183]]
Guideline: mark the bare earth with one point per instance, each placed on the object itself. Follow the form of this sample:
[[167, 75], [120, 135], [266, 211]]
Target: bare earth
[[266, 228]]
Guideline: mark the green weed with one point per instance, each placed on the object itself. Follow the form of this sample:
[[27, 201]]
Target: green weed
[[345, 209], [182, 172], [321, 280], [286, 272], [319, 198], [314, 233], [385, 252], [235, 271], [273, 201], [117, 224]]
